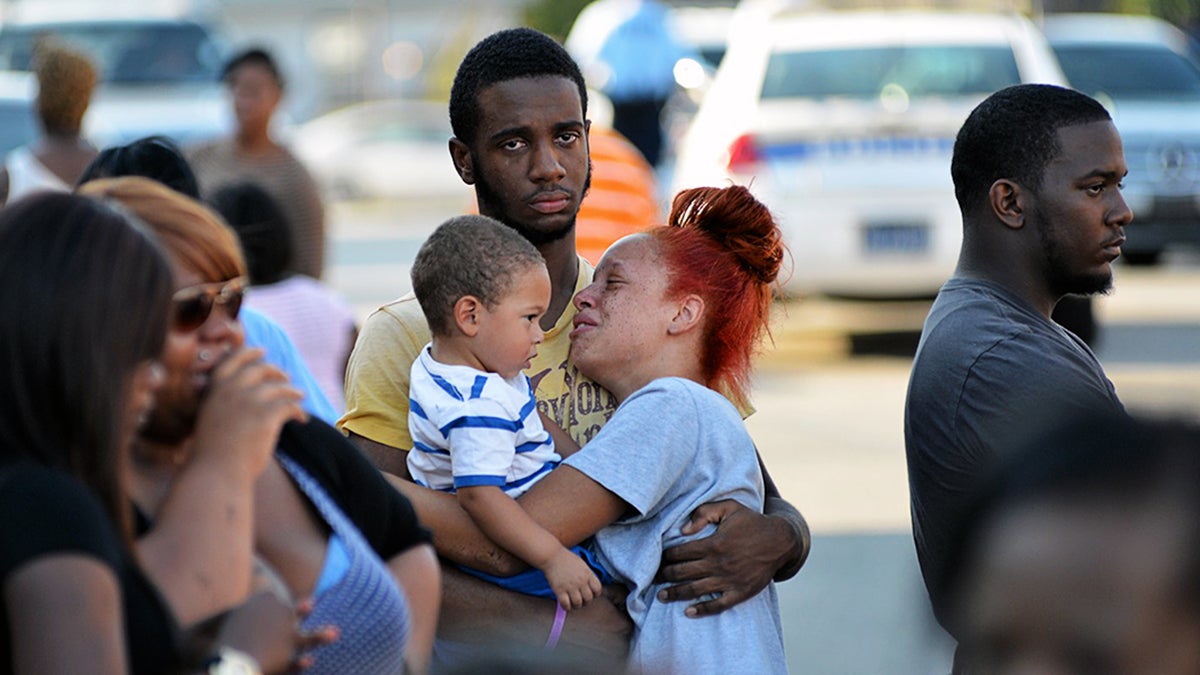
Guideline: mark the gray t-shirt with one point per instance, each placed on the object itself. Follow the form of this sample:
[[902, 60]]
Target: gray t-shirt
[[670, 447], [989, 371]]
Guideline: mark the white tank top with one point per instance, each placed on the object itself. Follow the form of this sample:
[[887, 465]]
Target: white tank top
[[26, 174]]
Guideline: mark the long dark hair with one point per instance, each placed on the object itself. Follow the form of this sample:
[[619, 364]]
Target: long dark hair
[[84, 299]]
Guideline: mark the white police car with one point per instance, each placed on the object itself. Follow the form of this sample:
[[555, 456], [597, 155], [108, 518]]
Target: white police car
[[843, 123]]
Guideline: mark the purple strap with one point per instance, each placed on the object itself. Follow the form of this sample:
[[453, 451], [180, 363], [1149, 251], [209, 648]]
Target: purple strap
[[560, 617]]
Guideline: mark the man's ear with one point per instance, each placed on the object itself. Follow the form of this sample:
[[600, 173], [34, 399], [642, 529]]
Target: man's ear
[[687, 315], [460, 154], [466, 314], [1007, 202]]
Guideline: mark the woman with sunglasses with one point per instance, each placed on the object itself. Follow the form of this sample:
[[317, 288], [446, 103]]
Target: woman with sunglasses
[[78, 378], [323, 518], [158, 158]]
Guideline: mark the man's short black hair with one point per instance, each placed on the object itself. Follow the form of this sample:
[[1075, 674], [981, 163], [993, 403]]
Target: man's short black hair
[[506, 55], [1013, 134], [254, 55]]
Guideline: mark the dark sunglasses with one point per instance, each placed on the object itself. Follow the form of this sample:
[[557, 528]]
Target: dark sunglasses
[[191, 306]]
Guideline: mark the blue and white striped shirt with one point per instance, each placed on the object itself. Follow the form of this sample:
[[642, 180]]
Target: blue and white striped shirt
[[474, 428]]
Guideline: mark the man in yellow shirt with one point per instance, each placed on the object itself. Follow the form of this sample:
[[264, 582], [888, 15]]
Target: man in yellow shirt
[[518, 109]]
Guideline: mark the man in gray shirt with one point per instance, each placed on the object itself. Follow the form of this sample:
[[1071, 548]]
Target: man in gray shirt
[[1037, 173]]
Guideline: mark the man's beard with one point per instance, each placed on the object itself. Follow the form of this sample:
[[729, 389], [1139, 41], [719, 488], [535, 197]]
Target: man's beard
[[486, 194], [1061, 279]]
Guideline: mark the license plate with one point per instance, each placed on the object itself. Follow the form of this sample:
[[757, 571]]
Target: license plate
[[904, 238]]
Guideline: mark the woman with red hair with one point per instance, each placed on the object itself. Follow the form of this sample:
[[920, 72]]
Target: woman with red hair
[[672, 317]]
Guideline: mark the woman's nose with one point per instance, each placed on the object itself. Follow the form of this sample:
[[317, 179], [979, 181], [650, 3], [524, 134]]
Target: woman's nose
[[583, 298], [219, 327]]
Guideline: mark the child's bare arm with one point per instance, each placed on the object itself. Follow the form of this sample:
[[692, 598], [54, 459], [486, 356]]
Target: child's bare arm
[[506, 523], [564, 445]]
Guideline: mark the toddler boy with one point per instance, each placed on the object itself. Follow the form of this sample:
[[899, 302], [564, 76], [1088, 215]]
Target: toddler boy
[[474, 421]]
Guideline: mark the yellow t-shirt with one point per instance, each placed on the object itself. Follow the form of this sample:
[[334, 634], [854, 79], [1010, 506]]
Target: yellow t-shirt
[[391, 339]]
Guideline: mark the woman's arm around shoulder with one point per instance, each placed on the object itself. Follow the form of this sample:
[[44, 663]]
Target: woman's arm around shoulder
[[568, 504]]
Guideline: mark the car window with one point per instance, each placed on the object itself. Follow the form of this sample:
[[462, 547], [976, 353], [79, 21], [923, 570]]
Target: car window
[[17, 125], [1131, 72], [863, 73], [146, 52]]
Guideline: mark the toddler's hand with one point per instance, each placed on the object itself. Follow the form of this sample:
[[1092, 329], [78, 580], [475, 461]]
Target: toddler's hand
[[573, 582]]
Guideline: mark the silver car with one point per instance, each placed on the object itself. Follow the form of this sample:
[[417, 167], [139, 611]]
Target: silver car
[[388, 148]]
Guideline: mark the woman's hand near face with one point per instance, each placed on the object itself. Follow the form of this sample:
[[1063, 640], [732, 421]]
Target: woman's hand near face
[[200, 550], [247, 403]]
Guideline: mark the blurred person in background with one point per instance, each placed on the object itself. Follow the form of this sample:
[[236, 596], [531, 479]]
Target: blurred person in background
[[80, 594], [65, 80], [76, 599], [252, 154], [628, 49], [1083, 554], [1037, 173], [317, 319], [623, 197], [518, 107], [324, 519], [154, 157], [160, 160]]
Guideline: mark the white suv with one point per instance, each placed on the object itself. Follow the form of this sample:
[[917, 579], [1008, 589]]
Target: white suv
[[843, 123]]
